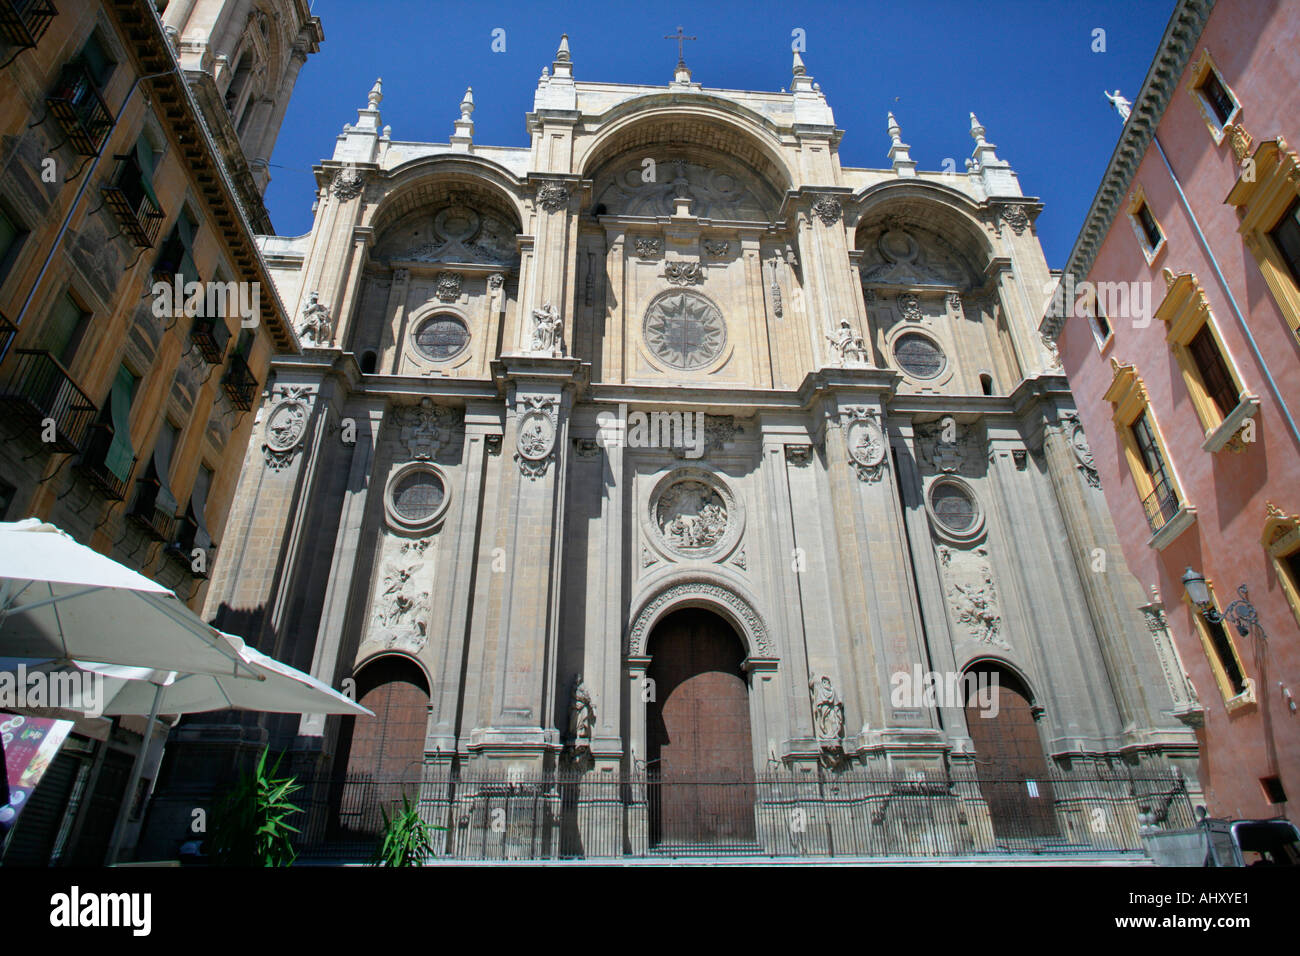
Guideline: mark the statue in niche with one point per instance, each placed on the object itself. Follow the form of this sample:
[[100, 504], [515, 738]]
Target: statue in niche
[[582, 715], [828, 718], [546, 331], [315, 328], [848, 345]]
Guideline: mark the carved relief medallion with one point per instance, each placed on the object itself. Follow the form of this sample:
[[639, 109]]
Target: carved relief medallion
[[684, 330]]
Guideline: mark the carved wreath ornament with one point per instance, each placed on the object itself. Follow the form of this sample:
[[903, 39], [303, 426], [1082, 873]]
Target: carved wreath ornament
[[536, 438], [285, 428]]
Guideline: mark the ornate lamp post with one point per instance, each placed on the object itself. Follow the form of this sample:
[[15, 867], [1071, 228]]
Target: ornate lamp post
[[1240, 613]]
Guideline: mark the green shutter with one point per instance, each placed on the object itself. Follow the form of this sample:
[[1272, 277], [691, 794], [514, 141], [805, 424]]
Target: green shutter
[[96, 60], [162, 465], [144, 159], [121, 455], [58, 337]]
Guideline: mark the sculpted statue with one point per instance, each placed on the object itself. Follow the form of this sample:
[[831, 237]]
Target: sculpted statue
[[546, 330], [848, 345], [315, 328], [828, 718], [582, 715], [1122, 105]]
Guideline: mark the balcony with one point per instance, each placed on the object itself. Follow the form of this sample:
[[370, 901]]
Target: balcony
[[94, 463], [181, 550], [136, 211], [39, 391], [210, 335], [23, 22], [1161, 505], [239, 383], [145, 513], [80, 110]]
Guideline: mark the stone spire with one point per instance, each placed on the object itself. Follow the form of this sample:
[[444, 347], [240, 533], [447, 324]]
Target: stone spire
[[994, 174], [983, 148], [899, 156], [360, 142], [463, 137], [376, 95], [801, 81], [562, 65]]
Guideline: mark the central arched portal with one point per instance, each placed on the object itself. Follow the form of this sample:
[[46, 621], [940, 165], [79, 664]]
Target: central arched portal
[[700, 752]]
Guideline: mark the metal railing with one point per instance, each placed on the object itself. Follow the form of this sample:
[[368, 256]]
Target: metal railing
[[781, 814], [211, 335], [94, 463], [24, 22], [80, 110], [1161, 505], [38, 390], [135, 210], [155, 522], [239, 383]]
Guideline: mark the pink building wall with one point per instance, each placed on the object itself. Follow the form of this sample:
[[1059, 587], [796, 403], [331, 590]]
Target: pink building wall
[[1256, 47]]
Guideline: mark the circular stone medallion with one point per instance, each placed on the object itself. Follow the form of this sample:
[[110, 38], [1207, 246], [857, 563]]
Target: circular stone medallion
[[691, 517], [536, 435], [866, 443], [285, 427], [684, 330]]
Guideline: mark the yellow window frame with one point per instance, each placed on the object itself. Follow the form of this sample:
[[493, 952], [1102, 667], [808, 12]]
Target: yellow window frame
[[1268, 184], [1200, 71], [1136, 201], [1231, 699], [1281, 539]]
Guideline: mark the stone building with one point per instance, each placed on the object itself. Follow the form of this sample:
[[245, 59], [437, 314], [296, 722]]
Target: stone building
[[1178, 321], [668, 445], [124, 414]]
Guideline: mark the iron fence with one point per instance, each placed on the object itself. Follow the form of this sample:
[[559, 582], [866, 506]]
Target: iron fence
[[962, 813]]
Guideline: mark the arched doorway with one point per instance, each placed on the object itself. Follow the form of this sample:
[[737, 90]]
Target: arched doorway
[[700, 756], [381, 757], [1009, 759]]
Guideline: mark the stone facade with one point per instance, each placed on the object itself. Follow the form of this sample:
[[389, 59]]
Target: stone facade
[[673, 354]]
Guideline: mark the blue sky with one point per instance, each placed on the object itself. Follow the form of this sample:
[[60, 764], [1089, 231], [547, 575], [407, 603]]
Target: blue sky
[[1026, 67]]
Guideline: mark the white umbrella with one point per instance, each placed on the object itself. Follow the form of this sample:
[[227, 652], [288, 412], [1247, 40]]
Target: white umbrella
[[61, 599]]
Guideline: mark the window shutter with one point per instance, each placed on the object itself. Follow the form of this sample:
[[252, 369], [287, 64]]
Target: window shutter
[[96, 60], [199, 505], [165, 501], [144, 159], [121, 455], [59, 335]]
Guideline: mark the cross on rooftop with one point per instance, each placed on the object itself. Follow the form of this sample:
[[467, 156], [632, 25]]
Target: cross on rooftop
[[680, 37]]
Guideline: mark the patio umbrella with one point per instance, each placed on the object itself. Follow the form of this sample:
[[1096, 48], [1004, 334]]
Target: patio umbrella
[[62, 599], [259, 683]]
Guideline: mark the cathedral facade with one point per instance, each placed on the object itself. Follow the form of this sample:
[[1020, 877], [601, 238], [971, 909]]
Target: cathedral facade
[[668, 447]]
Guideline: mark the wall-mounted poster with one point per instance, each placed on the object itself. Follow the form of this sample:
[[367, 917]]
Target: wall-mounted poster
[[30, 744]]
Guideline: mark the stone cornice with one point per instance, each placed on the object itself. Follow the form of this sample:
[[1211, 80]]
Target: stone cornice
[[1180, 38]]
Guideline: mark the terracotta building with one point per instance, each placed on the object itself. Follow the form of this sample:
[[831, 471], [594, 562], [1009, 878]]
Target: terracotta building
[[125, 408], [1178, 322], [665, 450]]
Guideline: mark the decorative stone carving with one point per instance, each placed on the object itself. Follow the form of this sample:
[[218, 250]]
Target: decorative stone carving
[[901, 257], [648, 557], [536, 434], [684, 330], [461, 231], [972, 595], [587, 449], [691, 517], [828, 719], [448, 287], [720, 191], [285, 427], [348, 184], [865, 440], [848, 345], [425, 428], [717, 247], [315, 329], [552, 195], [776, 288], [935, 452], [495, 281], [828, 210], [909, 307], [582, 715], [751, 625], [684, 273], [798, 455], [954, 304], [870, 296], [492, 443], [648, 248], [1014, 215], [1072, 428], [739, 560], [400, 617], [1187, 704], [1052, 350], [1239, 140], [548, 330]]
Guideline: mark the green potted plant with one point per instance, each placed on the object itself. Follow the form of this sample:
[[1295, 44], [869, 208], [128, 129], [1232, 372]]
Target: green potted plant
[[250, 827], [407, 839]]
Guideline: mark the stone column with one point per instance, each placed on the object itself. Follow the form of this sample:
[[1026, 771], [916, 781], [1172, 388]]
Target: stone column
[[394, 333]]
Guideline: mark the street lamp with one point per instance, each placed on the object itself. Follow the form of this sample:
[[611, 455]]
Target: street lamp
[[1240, 613]]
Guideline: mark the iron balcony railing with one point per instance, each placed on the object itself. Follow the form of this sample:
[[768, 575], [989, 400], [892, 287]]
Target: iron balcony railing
[[239, 383], [210, 335], [94, 466], [80, 110], [181, 549], [38, 390], [23, 22], [136, 212], [155, 522], [962, 814], [1161, 505]]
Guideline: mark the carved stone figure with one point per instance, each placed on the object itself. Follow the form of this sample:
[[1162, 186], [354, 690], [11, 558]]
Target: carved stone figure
[[691, 516], [972, 594], [828, 719], [909, 307], [866, 443], [401, 608], [448, 288], [315, 328], [1122, 104], [848, 345], [717, 190], [546, 331], [582, 715], [285, 427]]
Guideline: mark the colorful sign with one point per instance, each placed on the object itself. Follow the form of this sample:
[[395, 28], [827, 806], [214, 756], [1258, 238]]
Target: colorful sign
[[30, 745]]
